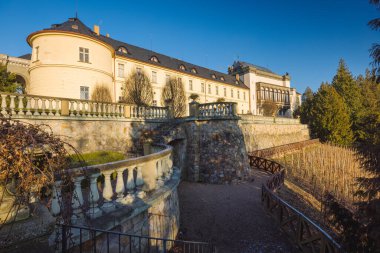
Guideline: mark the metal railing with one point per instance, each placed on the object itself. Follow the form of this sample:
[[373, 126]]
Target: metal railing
[[308, 235], [85, 239]]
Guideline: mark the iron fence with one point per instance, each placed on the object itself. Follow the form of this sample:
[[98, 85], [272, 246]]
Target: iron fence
[[85, 240]]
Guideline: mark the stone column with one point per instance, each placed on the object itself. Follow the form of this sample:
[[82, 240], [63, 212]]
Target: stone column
[[107, 190], [77, 200], [140, 182], [120, 185], [94, 210], [129, 198]]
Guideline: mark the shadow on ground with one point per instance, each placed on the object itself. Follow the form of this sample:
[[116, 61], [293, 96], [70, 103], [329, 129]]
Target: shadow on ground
[[231, 217]]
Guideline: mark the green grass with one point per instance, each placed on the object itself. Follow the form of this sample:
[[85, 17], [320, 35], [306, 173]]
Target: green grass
[[93, 158]]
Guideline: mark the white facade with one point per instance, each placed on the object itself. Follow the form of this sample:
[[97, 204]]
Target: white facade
[[69, 62]]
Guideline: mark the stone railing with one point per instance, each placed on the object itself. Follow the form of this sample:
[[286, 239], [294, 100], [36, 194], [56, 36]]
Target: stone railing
[[258, 119], [213, 110], [19, 105], [123, 183]]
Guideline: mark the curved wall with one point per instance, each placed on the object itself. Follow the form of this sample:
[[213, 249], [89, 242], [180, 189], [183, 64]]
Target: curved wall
[[55, 65]]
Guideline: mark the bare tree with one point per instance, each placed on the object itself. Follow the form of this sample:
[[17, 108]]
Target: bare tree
[[269, 108], [138, 89], [173, 95], [101, 93]]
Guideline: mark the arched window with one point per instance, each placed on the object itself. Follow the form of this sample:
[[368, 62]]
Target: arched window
[[182, 67], [222, 78], [154, 59], [271, 94], [266, 93], [262, 96], [287, 100], [193, 70], [122, 50]]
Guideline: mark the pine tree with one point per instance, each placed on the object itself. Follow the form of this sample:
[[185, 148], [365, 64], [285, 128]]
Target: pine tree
[[307, 103], [345, 84], [329, 120]]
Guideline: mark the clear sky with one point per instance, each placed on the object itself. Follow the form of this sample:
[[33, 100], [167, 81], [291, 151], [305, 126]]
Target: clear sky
[[305, 38]]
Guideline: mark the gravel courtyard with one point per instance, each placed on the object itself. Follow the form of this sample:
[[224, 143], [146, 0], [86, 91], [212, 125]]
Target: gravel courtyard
[[231, 217]]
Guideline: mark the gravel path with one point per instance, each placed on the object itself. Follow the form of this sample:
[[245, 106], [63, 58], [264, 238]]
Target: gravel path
[[230, 216]]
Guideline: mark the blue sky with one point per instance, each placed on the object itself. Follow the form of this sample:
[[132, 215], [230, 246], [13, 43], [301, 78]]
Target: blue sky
[[305, 38]]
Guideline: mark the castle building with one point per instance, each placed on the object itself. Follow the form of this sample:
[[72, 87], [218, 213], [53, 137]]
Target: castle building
[[69, 59]]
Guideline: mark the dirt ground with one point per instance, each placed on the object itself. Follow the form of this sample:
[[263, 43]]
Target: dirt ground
[[231, 217]]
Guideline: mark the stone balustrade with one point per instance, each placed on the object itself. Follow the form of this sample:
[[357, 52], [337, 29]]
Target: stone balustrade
[[114, 185], [213, 110], [20, 105]]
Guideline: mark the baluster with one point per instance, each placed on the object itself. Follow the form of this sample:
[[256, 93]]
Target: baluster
[[120, 185], [118, 111], [55, 202], [103, 109], [107, 190], [140, 182], [159, 181], [87, 109], [12, 105], [4, 104], [95, 109], [90, 109], [28, 106], [72, 108], [43, 107], [94, 210], [50, 107], [21, 105], [130, 197], [57, 109], [36, 107], [78, 108], [121, 111], [77, 200]]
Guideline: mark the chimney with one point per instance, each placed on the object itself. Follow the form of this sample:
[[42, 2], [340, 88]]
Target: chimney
[[237, 77], [107, 35], [96, 29]]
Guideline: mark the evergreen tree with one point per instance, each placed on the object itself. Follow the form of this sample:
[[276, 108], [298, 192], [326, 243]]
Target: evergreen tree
[[307, 103], [329, 120], [8, 81], [345, 84]]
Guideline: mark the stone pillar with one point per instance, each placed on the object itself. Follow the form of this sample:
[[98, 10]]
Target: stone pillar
[[94, 210], [194, 109]]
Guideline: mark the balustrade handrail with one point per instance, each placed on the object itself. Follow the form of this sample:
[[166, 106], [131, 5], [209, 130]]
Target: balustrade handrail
[[21, 105], [123, 163], [303, 223]]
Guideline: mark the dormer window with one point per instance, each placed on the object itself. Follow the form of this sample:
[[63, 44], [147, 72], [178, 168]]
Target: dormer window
[[213, 76], [154, 59], [222, 78], [182, 67], [122, 50], [193, 70]]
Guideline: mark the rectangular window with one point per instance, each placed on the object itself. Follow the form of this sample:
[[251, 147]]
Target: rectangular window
[[216, 90], [238, 94], [154, 77], [154, 102], [202, 87], [190, 84], [209, 89], [138, 70], [84, 92], [120, 70], [167, 78], [37, 52], [232, 93], [225, 92], [84, 55]]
